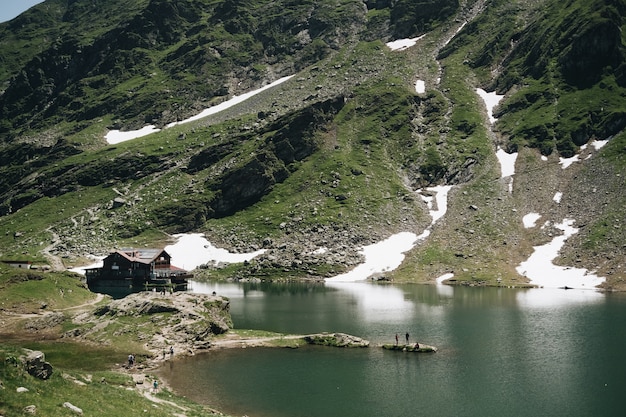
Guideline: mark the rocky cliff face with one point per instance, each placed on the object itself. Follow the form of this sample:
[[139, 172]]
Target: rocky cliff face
[[180, 321], [330, 159]]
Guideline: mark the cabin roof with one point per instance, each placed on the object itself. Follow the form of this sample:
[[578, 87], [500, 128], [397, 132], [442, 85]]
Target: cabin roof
[[144, 256]]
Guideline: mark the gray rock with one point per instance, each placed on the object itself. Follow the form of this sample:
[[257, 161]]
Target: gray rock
[[118, 202], [72, 407], [37, 366]]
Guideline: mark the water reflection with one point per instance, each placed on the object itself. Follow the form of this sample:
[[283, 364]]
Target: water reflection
[[377, 302], [521, 352], [552, 297]]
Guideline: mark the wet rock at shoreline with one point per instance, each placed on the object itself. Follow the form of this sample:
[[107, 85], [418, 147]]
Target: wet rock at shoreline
[[336, 339]]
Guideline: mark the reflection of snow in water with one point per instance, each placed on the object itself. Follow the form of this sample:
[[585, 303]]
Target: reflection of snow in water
[[377, 302], [553, 297], [229, 290]]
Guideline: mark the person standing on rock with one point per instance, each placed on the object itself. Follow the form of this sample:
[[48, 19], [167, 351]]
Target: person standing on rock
[[407, 337], [396, 339]]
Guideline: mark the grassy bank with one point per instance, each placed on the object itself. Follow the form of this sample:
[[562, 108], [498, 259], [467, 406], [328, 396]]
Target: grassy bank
[[81, 378], [36, 309]]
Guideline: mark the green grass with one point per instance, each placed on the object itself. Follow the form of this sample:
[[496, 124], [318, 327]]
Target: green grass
[[80, 378], [30, 291]]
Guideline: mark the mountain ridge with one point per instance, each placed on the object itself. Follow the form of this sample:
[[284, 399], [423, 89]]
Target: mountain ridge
[[332, 157]]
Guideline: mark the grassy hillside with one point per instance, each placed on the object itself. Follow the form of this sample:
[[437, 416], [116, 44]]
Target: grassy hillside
[[330, 158]]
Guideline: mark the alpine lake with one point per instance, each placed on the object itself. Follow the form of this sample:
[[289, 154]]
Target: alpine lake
[[501, 352]]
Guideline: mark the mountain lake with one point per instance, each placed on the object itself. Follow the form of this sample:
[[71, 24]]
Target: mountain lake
[[501, 352]]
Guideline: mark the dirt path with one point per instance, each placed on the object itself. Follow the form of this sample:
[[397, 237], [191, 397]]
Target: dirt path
[[55, 262], [8, 319], [90, 303]]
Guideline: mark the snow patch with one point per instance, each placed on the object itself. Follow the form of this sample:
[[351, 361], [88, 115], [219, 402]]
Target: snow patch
[[507, 162], [229, 103], [320, 251], [117, 136], [444, 277], [557, 197], [402, 44], [530, 220], [380, 257], [193, 249], [387, 255], [566, 162], [542, 272], [491, 100], [599, 144], [420, 87]]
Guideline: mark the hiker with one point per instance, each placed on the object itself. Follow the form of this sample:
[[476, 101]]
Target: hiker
[[171, 351], [131, 360], [396, 339], [407, 337], [155, 385]]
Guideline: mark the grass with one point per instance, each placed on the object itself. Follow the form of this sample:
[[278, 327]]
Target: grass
[[32, 291], [85, 373], [81, 381]]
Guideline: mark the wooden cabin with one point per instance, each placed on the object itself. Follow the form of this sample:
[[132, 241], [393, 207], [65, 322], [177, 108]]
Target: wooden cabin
[[138, 270]]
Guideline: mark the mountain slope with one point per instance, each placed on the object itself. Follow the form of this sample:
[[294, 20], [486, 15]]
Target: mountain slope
[[330, 158]]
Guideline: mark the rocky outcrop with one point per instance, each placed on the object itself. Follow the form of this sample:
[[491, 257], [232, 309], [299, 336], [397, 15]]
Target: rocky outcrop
[[291, 139], [415, 347], [336, 340], [36, 365], [179, 323]]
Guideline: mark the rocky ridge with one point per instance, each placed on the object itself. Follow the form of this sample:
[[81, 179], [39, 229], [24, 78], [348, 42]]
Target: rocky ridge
[[182, 323]]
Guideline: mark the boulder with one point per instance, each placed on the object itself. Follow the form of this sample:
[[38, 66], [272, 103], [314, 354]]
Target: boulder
[[72, 407], [37, 366], [336, 339], [414, 347]]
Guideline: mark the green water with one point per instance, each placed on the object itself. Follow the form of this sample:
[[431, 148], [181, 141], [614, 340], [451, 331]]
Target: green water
[[502, 352]]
